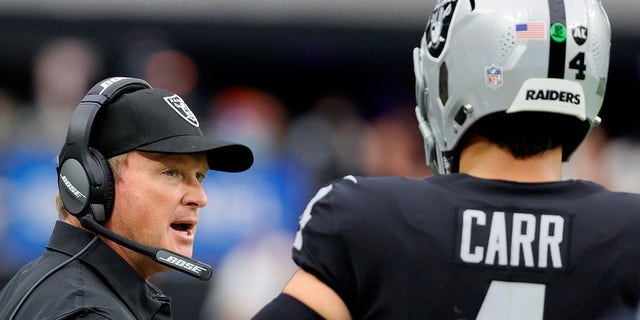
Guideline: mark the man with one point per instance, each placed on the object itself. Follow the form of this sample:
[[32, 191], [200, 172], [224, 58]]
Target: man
[[506, 91], [130, 180]]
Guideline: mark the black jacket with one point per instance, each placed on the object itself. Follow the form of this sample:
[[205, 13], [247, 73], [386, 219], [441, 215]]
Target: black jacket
[[99, 284]]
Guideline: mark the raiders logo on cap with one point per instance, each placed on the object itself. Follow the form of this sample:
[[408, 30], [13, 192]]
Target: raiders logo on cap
[[181, 108]]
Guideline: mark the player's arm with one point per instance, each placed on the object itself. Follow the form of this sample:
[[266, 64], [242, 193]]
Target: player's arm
[[305, 297], [317, 295]]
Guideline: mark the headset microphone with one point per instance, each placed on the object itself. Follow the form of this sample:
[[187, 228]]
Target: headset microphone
[[165, 257]]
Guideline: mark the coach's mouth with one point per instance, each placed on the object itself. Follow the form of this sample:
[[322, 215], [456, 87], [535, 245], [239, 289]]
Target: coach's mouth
[[184, 227]]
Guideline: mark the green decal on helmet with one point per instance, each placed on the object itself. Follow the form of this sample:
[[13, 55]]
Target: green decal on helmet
[[558, 32]]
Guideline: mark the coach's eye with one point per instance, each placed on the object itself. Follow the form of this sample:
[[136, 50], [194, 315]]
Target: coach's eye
[[170, 173]]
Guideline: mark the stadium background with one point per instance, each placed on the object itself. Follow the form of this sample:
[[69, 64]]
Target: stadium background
[[319, 89]]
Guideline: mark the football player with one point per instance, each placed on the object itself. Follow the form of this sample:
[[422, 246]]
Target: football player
[[506, 91]]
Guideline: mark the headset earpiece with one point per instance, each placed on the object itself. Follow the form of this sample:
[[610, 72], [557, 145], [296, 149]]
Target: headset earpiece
[[85, 180], [75, 193], [105, 183]]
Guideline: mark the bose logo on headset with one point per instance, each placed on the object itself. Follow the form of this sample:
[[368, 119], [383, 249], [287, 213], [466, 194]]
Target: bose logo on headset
[[105, 84], [71, 187]]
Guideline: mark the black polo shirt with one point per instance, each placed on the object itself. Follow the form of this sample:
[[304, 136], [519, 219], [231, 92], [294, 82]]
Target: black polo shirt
[[97, 285]]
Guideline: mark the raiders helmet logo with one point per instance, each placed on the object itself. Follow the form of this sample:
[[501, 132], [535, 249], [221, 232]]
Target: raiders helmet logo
[[180, 107], [438, 26], [579, 34]]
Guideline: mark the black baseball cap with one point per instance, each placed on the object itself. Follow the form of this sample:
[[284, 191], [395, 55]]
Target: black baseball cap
[[157, 120]]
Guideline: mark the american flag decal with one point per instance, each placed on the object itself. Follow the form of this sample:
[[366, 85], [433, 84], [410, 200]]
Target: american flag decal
[[531, 30]]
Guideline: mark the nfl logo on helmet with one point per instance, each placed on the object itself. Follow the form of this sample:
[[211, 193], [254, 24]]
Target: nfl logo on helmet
[[493, 76]]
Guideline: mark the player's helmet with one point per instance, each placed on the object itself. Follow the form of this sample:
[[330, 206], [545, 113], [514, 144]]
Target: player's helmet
[[479, 57]]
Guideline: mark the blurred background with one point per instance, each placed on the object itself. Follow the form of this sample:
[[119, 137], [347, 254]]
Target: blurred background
[[318, 89]]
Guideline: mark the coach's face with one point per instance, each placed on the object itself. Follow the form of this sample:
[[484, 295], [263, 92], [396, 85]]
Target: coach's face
[[157, 201]]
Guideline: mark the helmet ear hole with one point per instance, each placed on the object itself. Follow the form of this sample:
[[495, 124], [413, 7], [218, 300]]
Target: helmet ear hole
[[443, 83], [461, 116]]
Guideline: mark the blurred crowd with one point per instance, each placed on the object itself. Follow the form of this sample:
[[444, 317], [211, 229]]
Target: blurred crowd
[[247, 229]]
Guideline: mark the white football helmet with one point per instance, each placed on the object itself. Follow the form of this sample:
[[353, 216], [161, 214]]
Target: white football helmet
[[479, 57]]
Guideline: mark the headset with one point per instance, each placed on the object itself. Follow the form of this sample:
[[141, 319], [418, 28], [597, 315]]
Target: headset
[[85, 180]]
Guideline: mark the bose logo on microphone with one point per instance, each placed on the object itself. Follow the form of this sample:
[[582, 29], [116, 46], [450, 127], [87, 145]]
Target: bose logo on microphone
[[71, 188], [182, 264]]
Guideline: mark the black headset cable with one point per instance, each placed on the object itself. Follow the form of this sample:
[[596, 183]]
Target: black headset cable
[[48, 274]]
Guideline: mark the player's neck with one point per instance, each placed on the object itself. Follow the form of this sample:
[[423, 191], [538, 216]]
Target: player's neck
[[485, 160]]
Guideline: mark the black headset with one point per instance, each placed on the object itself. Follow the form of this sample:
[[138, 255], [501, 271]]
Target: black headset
[[85, 180]]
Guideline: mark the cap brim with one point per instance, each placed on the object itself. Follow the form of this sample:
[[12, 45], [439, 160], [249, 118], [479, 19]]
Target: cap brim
[[221, 155]]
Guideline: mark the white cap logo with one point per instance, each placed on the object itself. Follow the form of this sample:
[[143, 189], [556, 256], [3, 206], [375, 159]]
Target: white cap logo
[[180, 107]]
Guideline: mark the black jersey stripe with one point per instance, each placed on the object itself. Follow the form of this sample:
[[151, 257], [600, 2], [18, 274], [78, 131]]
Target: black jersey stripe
[[557, 50]]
